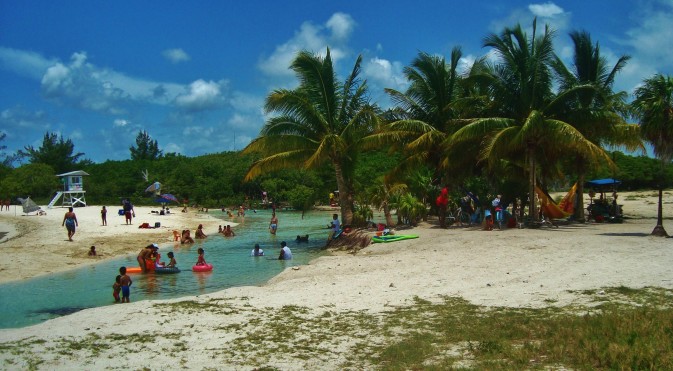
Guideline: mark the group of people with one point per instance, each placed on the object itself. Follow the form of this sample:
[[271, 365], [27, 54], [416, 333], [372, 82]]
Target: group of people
[[226, 231], [4, 204], [285, 252]]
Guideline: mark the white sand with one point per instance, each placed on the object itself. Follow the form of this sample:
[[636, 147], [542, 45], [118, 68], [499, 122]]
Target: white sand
[[515, 268], [38, 244]]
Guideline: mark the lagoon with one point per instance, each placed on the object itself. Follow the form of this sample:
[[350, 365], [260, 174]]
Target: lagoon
[[35, 300]]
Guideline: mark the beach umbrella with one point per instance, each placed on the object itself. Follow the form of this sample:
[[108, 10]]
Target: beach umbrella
[[169, 197], [154, 187], [29, 206]]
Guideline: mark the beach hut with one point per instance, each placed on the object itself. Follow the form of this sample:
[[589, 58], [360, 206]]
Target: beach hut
[[73, 189]]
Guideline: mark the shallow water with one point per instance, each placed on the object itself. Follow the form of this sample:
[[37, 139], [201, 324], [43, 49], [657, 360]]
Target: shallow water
[[36, 300]]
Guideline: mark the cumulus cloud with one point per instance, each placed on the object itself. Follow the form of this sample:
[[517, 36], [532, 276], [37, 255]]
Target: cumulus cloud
[[341, 25], [176, 55], [547, 10], [382, 72], [316, 38], [202, 95]]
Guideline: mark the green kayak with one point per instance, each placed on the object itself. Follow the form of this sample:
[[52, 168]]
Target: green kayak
[[393, 237]]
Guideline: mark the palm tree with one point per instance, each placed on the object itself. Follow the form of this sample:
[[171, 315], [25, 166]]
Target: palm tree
[[654, 108], [382, 196], [594, 112], [422, 118], [321, 121], [523, 128]]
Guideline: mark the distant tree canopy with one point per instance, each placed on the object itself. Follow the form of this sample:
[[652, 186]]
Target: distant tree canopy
[[55, 152], [35, 180], [146, 148]]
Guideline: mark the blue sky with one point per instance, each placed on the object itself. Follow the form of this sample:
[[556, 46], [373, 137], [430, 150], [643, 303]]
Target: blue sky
[[194, 75]]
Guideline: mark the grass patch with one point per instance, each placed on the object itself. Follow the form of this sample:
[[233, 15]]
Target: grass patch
[[632, 331]]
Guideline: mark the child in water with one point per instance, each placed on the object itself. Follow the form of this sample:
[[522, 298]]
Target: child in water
[[126, 282], [117, 288], [171, 263], [201, 260]]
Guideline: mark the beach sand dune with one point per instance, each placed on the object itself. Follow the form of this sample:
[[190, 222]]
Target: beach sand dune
[[527, 268]]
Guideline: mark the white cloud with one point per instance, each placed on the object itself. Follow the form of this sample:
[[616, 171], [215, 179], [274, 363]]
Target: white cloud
[[24, 63], [547, 10], [341, 25], [121, 123], [465, 63], [315, 38], [176, 55], [81, 84], [652, 33], [548, 14], [384, 73], [172, 148], [202, 95]]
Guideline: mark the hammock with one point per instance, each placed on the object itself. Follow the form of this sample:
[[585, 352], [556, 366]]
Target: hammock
[[563, 210]]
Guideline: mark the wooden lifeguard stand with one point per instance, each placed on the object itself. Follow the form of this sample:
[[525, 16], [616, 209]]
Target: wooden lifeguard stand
[[73, 189]]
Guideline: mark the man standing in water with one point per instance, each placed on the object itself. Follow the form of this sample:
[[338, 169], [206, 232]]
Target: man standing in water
[[70, 222], [273, 225]]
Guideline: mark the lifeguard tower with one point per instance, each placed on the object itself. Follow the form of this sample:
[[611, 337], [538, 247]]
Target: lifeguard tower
[[73, 189]]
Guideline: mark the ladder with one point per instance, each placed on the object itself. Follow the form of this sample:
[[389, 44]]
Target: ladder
[[54, 200]]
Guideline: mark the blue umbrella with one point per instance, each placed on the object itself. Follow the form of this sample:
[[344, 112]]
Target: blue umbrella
[[169, 197]]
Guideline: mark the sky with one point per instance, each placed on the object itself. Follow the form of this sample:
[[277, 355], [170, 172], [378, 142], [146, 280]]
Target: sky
[[195, 75]]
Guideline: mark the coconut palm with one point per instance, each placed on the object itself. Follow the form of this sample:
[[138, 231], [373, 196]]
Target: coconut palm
[[422, 118], [524, 128], [382, 196], [653, 106], [320, 122], [410, 209], [594, 112]]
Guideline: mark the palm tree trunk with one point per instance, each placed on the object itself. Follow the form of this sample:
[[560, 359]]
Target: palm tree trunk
[[388, 215], [659, 229], [345, 195], [579, 197], [532, 206]]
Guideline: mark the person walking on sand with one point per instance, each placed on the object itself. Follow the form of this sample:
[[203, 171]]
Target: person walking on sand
[[103, 215], [70, 222], [129, 213]]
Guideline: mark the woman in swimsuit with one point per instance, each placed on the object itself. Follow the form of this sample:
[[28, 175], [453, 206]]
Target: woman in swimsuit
[[70, 222]]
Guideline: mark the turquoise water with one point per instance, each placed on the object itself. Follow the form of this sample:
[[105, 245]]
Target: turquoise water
[[36, 300]]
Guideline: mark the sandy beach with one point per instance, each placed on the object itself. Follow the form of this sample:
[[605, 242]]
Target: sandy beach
[[527, 268], [38, 244]]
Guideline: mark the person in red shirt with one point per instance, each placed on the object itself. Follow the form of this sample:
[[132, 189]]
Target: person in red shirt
[[443, 202]]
